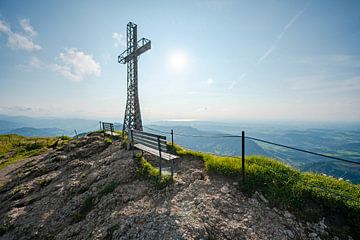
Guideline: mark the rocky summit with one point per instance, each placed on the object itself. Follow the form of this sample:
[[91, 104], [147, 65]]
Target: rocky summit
[[89, 189]]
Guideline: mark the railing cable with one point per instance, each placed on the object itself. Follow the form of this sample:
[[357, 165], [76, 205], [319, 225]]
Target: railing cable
[[302, 150]]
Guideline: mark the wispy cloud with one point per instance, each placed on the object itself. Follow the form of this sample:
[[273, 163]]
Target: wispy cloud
[[210, 81], [17, 40], [233, 83], [120, 40], [280, 36], [26, 26], [76, 65], [290, 23], [34, 63], [266, 54], [332, 61], [317, 84]]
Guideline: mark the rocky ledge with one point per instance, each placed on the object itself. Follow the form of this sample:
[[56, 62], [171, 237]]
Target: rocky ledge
[[89, 190]]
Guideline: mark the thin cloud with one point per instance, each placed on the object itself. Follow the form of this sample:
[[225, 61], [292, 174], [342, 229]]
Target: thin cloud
[[266, 54], [76, 65], [318, 84], [4, 27], [119, 40], [272, 47], [290, 23], [17, 40], [233, 83], [34, 63], [210, 81], [280, 36], [26, 26]]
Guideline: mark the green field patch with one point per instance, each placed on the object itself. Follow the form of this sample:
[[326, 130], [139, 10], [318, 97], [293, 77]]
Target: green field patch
[[14, 148]]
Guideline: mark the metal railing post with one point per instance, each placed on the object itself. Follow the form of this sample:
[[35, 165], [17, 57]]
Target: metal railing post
[[172, 138], [243, 155], [172, 168], [160, 167]]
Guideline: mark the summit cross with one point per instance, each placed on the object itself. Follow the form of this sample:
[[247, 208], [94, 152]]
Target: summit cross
[[132, 117]]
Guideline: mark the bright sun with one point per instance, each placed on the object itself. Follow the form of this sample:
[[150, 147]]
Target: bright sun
[[178, 61]]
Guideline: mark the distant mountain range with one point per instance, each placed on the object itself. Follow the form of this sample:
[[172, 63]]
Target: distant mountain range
[[28, 126], [190, 137], [39, 132], [334, 142], [199, 136]]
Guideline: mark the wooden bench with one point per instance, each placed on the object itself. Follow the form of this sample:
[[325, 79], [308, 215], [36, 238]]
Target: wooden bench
[[108, 128], [153, 144]]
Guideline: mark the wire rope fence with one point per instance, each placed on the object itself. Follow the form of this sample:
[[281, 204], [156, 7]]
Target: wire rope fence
[[295, 178]]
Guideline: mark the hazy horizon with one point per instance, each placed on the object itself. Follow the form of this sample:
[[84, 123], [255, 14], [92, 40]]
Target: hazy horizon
[[210, 60], [301, 125]]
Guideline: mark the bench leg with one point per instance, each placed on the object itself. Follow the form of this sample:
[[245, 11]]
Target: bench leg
[[172, 168], [160, 167]]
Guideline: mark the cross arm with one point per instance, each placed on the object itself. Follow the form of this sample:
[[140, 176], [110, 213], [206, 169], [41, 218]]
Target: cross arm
[[142, 46]]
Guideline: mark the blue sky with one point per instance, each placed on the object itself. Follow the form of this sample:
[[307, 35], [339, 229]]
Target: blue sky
[[210, 60]]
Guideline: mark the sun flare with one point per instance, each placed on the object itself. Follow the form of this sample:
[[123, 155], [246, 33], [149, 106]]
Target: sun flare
[[178, 61]]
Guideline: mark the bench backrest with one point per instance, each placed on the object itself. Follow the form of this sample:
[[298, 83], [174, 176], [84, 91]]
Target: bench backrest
[[149, 139], [108, 126]]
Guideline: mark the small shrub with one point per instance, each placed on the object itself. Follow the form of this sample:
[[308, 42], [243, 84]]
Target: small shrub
[[147, 171], [4, 228], [111, 230], [65, 138], [85, 208], [83, 189], [42, 182], [108, 140], [34, 146], [109, 188]]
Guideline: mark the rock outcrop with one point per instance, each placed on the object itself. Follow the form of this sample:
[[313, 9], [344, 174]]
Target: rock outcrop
[[89, 190]]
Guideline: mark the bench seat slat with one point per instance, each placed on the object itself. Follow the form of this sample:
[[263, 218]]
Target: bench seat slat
[[147, 144], [151, 142], [149, 137], [148, 134], [164, 155]]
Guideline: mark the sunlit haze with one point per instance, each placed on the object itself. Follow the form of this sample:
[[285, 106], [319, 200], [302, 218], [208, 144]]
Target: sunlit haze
[[210, 60]]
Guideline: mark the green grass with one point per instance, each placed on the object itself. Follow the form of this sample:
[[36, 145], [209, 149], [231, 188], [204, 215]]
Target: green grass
[[147, 171], [42, 182], [14, 148], [286, 186]]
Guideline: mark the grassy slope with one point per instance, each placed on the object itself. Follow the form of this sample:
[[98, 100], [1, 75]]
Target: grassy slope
[[288, 187], [14, 148], [147, 171]]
